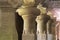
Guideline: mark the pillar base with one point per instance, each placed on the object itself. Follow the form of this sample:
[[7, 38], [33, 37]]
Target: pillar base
[[50, 37], [41, 36], [29, 37]]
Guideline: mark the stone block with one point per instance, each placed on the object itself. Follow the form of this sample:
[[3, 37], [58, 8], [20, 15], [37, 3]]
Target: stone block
[[28, 37]]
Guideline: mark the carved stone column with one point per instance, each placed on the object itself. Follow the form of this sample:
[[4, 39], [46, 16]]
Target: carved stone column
[[42, 20], [41, 26], [29, 12], [49, 29], [51, 26]]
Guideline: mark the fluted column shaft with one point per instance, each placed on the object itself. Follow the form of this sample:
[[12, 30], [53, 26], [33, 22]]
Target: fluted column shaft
[[29, 24], [41, 26]]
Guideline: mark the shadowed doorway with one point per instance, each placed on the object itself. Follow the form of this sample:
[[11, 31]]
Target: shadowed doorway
[[19, 25]]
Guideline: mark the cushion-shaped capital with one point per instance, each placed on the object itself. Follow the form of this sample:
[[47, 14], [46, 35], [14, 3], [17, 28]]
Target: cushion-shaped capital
[[28, 11]]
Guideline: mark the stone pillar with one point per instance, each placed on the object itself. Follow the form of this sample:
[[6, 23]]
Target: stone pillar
[[29, 15], [8, 26], [49, 29], [57, 29], [29, 12], [51, 26], [29, 24], [41, 26], [42, 20]]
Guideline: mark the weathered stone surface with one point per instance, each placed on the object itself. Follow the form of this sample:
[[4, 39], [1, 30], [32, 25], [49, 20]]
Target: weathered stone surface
[[0, 18], [10, 3], [29, 12], [41, 36], [54, 4], [28, 37], [7, 28]]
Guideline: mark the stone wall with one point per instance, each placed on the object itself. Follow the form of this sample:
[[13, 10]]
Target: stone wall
[[7, 24]]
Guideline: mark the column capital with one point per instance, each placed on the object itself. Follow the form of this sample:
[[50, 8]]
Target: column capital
[[42, 17], [28, 11], [28, 8], [42, 9]]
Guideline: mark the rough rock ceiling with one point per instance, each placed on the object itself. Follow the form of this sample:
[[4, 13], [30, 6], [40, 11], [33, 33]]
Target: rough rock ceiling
[[17, 3], [54, 4], [10, 3]]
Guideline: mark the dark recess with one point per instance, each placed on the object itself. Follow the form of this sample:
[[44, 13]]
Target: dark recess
[[19, 25]]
